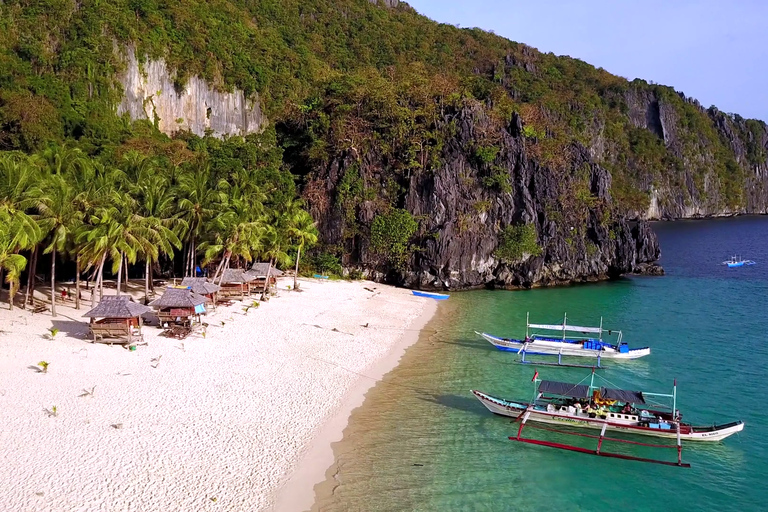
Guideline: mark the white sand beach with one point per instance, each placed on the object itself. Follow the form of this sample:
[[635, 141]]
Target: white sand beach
[[214, 423]]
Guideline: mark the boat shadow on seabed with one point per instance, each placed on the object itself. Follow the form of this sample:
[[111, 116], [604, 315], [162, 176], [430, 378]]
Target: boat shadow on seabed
[[458, 402]]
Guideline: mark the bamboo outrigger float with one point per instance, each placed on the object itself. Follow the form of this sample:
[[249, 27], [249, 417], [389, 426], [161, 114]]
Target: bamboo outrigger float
[[607, 409]]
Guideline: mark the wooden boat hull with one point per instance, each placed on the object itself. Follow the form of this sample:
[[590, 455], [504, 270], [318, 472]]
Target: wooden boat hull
[[553, 348], [582, 420], [430, 295]]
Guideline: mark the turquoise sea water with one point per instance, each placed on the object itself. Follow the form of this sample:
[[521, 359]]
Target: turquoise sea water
[[422, 442]]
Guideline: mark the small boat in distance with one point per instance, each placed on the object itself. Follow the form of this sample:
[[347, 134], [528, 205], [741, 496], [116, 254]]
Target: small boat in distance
[[430, 295], [737, 262], [603, 408], [566, 344]]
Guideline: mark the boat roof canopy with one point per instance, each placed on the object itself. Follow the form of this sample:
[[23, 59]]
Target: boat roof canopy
[[633, 397], [566, 327], [564, 389]]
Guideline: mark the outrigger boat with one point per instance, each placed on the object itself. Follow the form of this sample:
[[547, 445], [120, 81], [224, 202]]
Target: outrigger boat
[[737, 262], [601, 408], [566, 345]]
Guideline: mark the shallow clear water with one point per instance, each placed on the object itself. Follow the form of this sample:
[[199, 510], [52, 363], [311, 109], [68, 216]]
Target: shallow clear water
[[422, 442]]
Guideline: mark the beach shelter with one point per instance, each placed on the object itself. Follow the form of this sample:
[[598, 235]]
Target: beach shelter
[[259, 273], [235, 282], [179, 305], [117, 317], [201, 286]]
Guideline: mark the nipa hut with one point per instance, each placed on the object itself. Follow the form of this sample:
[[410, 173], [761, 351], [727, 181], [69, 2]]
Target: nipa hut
[[235, 283], [201, 286], [259, 273], [179, 305], [118, 317]]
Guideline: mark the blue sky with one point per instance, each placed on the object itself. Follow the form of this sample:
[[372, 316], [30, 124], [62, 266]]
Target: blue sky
[[714, 51]]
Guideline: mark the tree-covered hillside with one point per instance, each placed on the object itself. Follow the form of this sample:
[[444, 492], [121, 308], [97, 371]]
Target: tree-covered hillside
[[366, 101]]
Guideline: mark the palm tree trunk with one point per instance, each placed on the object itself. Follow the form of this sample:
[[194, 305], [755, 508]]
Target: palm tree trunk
[[53, 282], [192, 265], [119, 273], [187, 258], [218, 269], [101, 276], [125, 283], [12, 288], [185, 251], [30, 277], [77, 281], [264, 295], [226, 266], [147, 272], [296, 273]]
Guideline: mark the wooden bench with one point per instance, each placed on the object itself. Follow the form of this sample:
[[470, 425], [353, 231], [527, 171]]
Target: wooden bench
[[123, 332]]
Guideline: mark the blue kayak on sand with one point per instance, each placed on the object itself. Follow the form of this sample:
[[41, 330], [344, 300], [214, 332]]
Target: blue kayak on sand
[[430, 295]]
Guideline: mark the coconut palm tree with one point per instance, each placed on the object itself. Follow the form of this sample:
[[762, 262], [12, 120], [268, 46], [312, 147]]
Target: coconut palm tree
[[19, 188], [302, 230], [97, 185], [59, 217], [11, 236], [200, 200], [156, 203]]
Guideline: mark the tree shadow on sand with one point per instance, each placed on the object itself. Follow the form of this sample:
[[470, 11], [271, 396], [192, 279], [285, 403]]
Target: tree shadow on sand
[[71, 328]]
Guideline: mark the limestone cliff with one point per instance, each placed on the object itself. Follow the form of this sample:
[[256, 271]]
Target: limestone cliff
[[461, 219], [699, 184], [150, 93]]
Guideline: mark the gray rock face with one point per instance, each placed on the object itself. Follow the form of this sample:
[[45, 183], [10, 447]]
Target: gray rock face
[[462, 217], [149, 93], [697, 189]]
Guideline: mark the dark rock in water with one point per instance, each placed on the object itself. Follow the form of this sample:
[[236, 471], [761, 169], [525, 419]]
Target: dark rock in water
[[649, 269]]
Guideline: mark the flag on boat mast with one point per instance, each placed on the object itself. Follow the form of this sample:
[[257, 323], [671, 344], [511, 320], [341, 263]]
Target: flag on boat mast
[[535, 376]]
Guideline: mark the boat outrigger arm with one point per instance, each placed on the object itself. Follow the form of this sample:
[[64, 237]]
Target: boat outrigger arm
[[523, 418]]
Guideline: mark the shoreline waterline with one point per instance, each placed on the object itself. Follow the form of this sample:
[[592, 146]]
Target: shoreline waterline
[[298, 492], [217, 421]]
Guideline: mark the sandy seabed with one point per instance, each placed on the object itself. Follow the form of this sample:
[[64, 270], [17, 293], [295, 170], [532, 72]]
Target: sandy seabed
[[220, 422]]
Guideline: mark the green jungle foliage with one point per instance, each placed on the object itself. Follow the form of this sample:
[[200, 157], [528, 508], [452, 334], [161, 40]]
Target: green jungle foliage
[[334, 78], [516, 241], [391, 234]]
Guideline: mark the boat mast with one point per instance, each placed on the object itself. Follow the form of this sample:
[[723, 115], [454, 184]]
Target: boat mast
[[527, 323], [601, 328], [674, 400], [565, 322]]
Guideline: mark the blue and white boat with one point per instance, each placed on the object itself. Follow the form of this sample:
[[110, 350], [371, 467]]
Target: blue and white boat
[[566, 344], [430, 295], [737, 262]]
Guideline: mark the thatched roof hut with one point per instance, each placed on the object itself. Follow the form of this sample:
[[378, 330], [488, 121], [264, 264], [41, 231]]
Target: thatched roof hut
[[235, 276], [259, 274], [179, 306], [178, 298], [120, 318], [260, 270], [200, 285], [117, 307]]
